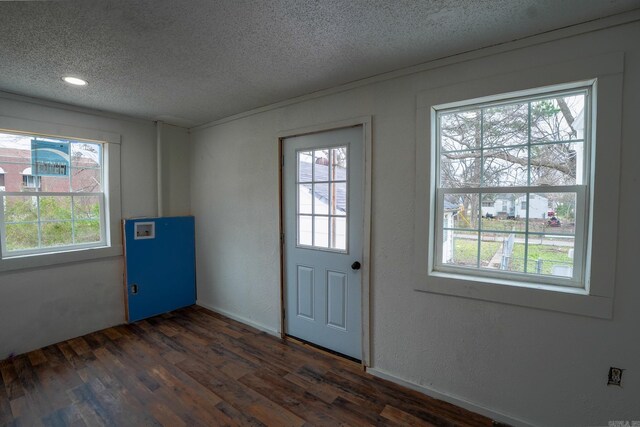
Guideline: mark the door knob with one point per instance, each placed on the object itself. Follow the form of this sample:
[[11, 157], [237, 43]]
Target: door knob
[[355, 266]]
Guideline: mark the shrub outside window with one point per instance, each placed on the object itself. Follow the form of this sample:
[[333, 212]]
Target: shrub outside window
[[512, 182], [54, 208]]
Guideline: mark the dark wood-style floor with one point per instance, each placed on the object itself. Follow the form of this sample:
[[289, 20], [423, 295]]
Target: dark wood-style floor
[[195, 367]]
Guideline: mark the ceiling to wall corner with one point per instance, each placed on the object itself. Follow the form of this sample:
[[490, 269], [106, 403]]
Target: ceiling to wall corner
[[192, 62]]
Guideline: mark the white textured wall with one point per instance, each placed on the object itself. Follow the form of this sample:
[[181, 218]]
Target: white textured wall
[[45, 305], [175, 171], [535, 366]]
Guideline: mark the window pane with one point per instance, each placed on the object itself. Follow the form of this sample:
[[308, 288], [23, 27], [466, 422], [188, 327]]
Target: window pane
[[305, 230], [321, 232], [86, 180], [56, 233], [502, 251], [14, 157], [460, 248], [338, 233], [505, 125], [21, 236], [450, 214], [464, 209], [338, 202], [87, 231], [558, 119], [460, 169], [505, 167], [504, 211], [86, 155], [30, 183], [12, 174], [551, 255], [20, 208], [552, 213], [460, 130], [304, 166], [304, 198], [339, 164], [55, 208], [54, 184], [86, 207], [321, 199], [321, 165], [557, 164]]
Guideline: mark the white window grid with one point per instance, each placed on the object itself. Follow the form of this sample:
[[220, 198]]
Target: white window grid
[[36, 195], [314, 215], [580, 190]]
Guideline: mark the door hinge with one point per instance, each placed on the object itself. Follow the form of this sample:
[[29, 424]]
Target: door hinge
[[283, 160], [281, 237]]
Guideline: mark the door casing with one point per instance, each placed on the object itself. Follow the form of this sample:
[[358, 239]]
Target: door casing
[[365, 122]]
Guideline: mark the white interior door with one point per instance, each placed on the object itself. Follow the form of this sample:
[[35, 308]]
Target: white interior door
[[323, 181]]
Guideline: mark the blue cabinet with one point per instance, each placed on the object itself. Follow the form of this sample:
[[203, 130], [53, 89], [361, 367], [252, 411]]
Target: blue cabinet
[[160, 265]]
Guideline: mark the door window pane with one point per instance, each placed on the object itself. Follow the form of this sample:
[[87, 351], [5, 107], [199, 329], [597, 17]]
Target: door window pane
[[304, 198], [320, 165], [305, 171], [305, 230], [338, 233], [321, 232], [338, 199], [322, 199]]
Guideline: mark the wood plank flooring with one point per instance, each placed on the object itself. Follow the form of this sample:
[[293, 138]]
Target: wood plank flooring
[[194, 367]]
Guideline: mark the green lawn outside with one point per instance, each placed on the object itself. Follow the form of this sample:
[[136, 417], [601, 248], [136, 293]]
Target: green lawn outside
[[466, 251], [57, 227]]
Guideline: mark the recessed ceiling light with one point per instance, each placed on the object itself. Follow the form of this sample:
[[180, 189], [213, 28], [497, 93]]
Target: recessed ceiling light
[[75, 81]]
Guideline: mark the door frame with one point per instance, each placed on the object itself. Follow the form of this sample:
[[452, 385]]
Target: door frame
[[365, 122]]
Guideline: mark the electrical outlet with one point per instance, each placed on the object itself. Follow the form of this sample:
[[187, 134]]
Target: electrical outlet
[[615, 376]]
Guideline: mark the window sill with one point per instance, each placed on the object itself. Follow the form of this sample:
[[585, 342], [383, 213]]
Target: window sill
[[541, 296], [54, 258]]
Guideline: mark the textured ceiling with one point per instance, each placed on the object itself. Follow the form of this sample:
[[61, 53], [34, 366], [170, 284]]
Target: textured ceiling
[[191, 62]]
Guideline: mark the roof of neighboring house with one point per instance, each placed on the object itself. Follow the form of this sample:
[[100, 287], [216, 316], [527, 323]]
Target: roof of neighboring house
[[305, 174], [448, 206]]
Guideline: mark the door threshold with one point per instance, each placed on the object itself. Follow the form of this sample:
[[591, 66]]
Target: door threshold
[[323, 350]]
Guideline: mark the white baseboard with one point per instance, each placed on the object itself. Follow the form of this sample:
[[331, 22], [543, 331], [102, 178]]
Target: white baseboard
[[497, 416], [253, 324]]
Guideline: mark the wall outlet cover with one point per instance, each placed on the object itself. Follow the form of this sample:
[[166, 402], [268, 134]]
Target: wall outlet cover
[[615, 376]]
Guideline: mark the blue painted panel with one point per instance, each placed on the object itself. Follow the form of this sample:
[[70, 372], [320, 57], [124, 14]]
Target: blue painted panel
[[163, 268]]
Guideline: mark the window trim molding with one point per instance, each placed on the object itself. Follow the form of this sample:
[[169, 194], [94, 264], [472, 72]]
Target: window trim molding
[[112, 194], [596, 299]]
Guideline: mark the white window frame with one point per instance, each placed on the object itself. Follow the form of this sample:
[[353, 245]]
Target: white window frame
[[111, 212], [595, 299], [581, 190]]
